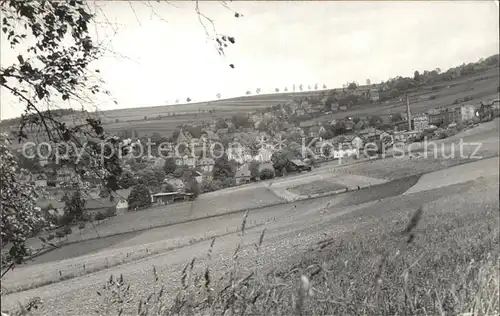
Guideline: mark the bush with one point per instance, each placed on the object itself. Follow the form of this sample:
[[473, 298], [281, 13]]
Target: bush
[[51, 237], [81, 225], [110, 212], [211, 185], [67, 230], [139, 197], [60, 234], [99, 216], [266, 174]]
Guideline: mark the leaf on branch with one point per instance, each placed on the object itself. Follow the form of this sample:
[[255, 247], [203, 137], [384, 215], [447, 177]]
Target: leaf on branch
[[236, 15], [40, 92], [65, 97], [231, 65], [21, 59]]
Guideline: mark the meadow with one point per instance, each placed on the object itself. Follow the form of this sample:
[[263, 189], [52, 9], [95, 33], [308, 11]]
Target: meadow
[[329, 256]]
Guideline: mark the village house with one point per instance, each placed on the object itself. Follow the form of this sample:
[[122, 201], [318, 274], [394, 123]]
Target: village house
[[40, 180], [445, 117], [420, 122], [165, 198], [64, 176], [239, 154], [205, 164], [208, 136], [186, 160], [467, 112], [117, 201], [317, 131], [184, 137], [354, 140]]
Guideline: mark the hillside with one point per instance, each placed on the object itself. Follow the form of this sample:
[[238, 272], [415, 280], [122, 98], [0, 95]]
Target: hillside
[[477, 85]]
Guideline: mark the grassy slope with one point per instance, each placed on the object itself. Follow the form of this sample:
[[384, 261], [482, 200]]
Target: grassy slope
[[459, 223]]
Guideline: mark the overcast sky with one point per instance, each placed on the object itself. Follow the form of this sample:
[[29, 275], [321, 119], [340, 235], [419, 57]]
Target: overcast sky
[[279, 44]]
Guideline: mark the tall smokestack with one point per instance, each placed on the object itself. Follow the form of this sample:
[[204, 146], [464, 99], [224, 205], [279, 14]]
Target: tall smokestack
[[408, 113]]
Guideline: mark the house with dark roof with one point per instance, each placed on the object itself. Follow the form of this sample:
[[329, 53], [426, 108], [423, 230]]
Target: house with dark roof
[[184, 137], [40, 180]]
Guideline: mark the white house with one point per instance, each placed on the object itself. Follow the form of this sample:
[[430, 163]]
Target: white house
[[264, 154], [186, 160], [205, 164], [121, 206], [344, 150]]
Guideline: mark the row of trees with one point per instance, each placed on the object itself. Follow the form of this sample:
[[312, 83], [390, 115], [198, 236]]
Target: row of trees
[[294, 88]]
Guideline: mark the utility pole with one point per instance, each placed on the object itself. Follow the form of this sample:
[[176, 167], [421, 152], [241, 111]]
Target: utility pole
[[408, 113]]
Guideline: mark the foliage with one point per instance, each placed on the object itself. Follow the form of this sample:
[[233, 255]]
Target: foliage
[[223, 169], [241, 120], [54, 53], [99, 216], [74, 208], [375, 121], [20, 216], [352, 86], [266, 174], [67, 230], [192, 187], [151, 177], [60, 234], [110, 212], [139, 197], [167, 187], [339, 128], [169, 166], [127, 180], [396, 117], [221, 123], [253, 166], [281, 158]]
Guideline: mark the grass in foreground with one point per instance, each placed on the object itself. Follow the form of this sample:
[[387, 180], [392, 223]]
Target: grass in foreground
[[397, 262]]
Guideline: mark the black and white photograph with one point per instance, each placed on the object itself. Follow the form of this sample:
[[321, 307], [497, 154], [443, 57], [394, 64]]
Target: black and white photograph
[[249, 158]]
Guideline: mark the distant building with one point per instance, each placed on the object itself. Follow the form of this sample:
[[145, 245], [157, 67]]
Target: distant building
[[186, 160], [164, 198], [40, 180], [467, 112], [420, 122], [354, 140], [121, 206], [445, 117], [184, 137], [64, 175], [206, 165]]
